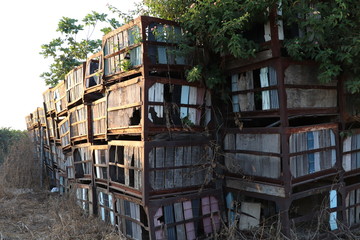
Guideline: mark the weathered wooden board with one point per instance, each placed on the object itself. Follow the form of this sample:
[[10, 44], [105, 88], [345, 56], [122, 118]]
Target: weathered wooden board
[[311, 98], [249, 216], [254, 165], [255, 187]]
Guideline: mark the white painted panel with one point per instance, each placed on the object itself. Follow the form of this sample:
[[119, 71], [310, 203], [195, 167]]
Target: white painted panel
[[247, 222]]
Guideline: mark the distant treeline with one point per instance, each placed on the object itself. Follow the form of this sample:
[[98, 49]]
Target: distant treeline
[[8, 137]]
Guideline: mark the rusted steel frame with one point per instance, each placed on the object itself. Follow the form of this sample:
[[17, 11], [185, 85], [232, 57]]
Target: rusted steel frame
[[80, 99], [167, 67], [314, 191], [274, 31], [82, 145], [255, 194], [176, 143], [309, 112], [254, 153], [156, 194], [126, 143], [165, 44], [352, 206], [86, 177], [154, 129], [93, 89], [145, 175], [256, 130], [176, 81], [117, 77], [351, 173], [125, 189], [84, 201], [85, 161], [284, 124], [236, 65], [77, 139], [155, 204], [136, 130], [121, 29], [193, 219], [122, 166], [313, 151], [342, 102], [324, 126], [274, 87], [101, 180], [197, 106], [132, 220], [48, 137], [352, 187], [122, 51], [330, 172], [205, 165], [259, 179], [135, 200], [271, 113], [75, 103], [81, 185], [132, 81], [106, 207], [310, 86]]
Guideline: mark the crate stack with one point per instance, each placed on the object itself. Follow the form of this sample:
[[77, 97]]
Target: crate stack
[[130, 134], [293, 146]]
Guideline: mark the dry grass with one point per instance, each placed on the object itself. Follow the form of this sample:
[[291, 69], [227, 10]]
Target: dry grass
[[28, 212], [42, 215], [21, 168]]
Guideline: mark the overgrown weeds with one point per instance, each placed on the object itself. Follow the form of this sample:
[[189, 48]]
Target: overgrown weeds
[[29, 212], [21, 168]]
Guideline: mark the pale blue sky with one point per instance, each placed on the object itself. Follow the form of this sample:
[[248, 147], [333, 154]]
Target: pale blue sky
[[25, 26]]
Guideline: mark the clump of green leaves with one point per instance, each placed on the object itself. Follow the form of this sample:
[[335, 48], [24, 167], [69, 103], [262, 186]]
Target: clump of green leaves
[[217, 27], [68, 51], [125, 65], [8, 137], [329, 34]]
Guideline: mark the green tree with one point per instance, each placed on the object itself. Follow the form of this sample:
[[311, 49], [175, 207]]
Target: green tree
[[8, 137], [330, 33], [68, 51]]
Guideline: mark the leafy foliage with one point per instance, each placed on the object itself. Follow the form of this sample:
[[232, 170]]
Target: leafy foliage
[[7, 138], [67, 51], [218, 29], [171, 10], [329, 30], [330, 35]]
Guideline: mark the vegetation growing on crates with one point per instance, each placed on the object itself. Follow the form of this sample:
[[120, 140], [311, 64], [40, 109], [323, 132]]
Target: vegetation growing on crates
[[217, 28], [329, 32], [74, 44]]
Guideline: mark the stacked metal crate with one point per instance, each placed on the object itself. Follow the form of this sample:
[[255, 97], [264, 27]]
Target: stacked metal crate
[[282, 151], [127, 131]]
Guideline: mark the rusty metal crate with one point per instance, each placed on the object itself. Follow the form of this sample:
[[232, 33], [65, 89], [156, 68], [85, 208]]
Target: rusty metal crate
[[74, 85], [143, 45], [153, 105]]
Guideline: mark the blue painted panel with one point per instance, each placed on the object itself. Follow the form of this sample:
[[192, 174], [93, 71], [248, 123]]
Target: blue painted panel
[[230, 206], [311, 157]]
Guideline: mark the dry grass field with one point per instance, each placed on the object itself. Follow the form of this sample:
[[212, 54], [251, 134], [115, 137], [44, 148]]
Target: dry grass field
[[29, 212]]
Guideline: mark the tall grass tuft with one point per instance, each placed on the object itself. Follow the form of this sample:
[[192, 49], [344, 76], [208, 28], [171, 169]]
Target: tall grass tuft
[[21, 168]]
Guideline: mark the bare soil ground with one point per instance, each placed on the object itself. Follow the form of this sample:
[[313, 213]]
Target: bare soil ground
[[25, 214]]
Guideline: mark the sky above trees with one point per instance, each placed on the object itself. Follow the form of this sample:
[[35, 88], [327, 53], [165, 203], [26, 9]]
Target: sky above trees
[[25, 26]]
